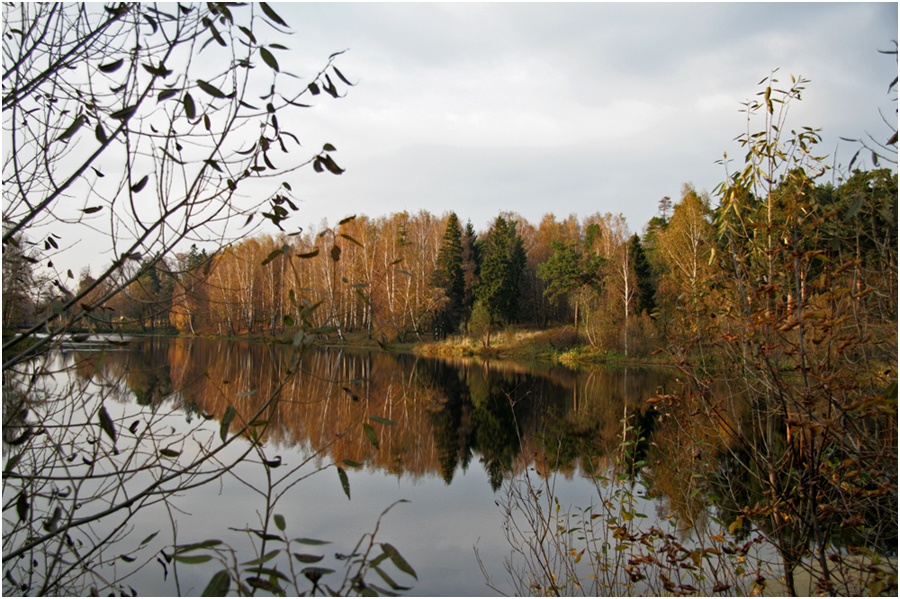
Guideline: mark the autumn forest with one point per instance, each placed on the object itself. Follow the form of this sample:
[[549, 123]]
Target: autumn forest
[[414, 277]]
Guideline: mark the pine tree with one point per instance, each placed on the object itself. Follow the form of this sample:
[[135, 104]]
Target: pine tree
[[570, 272]]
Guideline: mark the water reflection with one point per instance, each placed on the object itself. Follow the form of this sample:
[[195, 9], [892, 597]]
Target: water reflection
[[458, 423], [505, 415]]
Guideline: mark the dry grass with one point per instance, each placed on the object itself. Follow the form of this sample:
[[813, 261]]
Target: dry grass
[[512, 341]]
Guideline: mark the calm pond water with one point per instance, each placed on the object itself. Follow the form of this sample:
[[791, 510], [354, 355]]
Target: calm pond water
[[446, 436]]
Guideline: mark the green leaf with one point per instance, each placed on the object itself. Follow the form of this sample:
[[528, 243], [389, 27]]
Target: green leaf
[[390, 580], [381, 420], [315, 573], [350, 239], [106, 424], [148, 539], [271, 257], [217, 36], [230, 413], [169, 453], [370, 433], [397, 559], [262, 559], [166, 94], [75, 126], [272, 14], [218, 585], [195, 546], [331, 165], [265, 536], [268, 59], [335, 253], [140, 184], [246, 393], [100, 134], [92, 209], [351, 463], [190, 109], [279, 522], [124, 114], [212, 90], [311, 254], [270, 572], [192, 559], [306, 558], [248, 33], [152, 22], [306, 541], [341, 76], [345, 482], [266, 585], [160, 71], [111, 67]]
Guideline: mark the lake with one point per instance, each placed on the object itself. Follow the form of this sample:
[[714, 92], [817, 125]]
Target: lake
[[472, 449]]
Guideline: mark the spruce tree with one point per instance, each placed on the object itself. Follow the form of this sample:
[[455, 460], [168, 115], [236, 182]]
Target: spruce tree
[[501, 269], [471, 268], [644, 275], [448, 276]]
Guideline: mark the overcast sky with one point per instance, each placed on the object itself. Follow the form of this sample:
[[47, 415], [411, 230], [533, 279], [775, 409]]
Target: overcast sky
[[569, 108], [565, 108]]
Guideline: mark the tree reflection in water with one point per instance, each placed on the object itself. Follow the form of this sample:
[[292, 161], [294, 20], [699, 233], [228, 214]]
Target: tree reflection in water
[[524, 425]]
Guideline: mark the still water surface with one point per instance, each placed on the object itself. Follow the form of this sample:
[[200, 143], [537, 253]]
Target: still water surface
[[462, 429]]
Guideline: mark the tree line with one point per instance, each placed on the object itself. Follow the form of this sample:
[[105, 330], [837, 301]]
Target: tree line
[[413, 277]]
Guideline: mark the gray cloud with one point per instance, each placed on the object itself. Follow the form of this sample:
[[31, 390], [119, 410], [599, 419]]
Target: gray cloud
[[578, 107], [569, 108]]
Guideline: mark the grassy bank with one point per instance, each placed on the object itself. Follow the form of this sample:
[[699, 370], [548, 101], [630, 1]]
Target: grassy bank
[[560, 344]]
